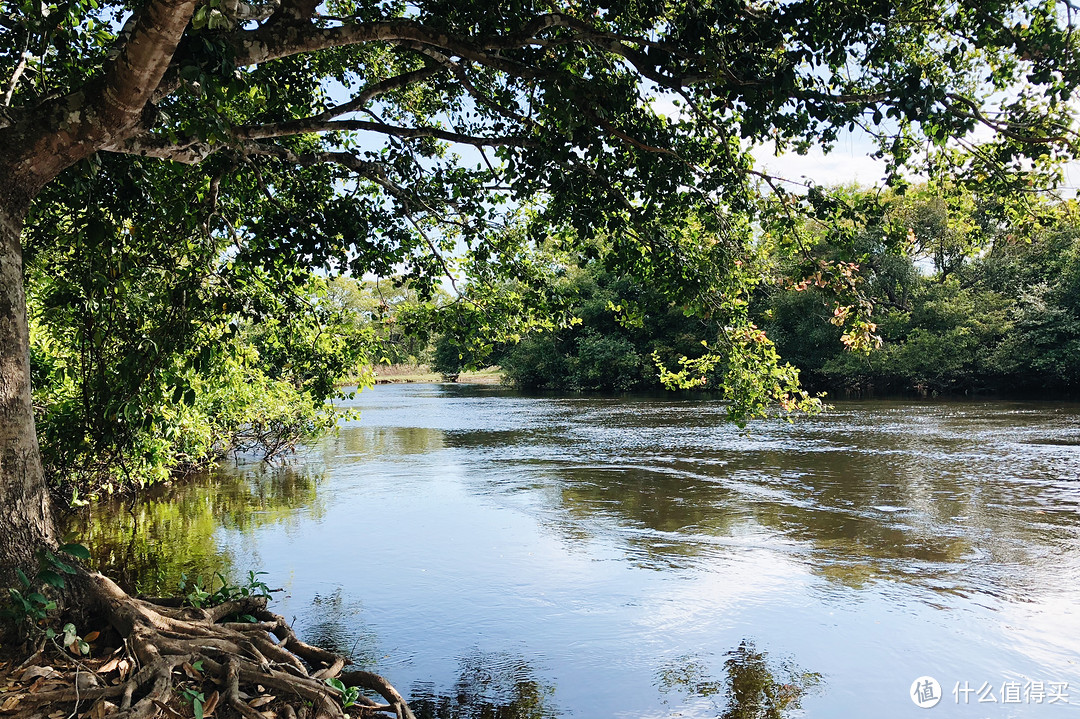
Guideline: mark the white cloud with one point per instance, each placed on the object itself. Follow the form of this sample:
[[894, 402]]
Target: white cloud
[[839, 167]]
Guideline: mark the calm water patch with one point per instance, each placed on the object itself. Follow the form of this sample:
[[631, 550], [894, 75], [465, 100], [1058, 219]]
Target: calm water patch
[[503, 556]]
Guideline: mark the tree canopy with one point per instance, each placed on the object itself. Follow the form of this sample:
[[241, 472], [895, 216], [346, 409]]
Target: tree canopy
[[333, 133]]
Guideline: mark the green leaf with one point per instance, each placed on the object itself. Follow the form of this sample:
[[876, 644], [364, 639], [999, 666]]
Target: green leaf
[[51, 578], [76, 550], [65, 568]]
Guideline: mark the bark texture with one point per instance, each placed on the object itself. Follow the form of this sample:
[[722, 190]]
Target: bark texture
[[25, 521], [48, 138]]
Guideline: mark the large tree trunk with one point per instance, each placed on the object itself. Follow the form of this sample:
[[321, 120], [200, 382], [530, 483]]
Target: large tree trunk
[[40, 143], [256, 654], [25, 517]]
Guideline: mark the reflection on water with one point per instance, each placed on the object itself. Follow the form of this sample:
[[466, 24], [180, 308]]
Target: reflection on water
[[506, 556], [489, 686], [366, 443], [337, 623], [147, 544], [752, 687]]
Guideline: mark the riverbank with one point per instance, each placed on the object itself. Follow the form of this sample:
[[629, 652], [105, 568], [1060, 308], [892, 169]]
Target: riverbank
[[422, 374], [201, 667]]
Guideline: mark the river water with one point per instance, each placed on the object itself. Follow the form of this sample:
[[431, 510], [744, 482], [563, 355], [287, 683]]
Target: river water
[[516, 557]]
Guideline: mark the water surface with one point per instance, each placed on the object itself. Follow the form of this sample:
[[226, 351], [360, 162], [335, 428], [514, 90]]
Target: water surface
[[504, 556]]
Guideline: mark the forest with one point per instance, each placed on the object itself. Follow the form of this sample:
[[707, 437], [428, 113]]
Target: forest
[[137, 386], [219, 217], [962, 305]]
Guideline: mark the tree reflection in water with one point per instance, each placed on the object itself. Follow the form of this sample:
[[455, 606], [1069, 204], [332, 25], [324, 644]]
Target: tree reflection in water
[[337, 623], [750, 689], [503, 686], [176, 529], [489, 686]]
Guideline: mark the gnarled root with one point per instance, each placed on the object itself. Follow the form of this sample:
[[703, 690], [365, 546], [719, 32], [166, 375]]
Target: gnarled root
[[163, 640]]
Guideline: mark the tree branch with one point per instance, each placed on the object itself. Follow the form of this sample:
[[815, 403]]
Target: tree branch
[[142, 63], [242, 11], [149, 145], [15, 76], [311, 125], [292, 11], [61, 131], [194, 151], [274, 41], [1006, 128], [376, 89]]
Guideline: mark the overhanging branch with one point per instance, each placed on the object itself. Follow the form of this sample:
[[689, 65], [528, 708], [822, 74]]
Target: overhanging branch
[[312, 125]]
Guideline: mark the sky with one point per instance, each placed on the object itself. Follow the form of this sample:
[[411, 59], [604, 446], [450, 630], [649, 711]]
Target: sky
[[848, 162]]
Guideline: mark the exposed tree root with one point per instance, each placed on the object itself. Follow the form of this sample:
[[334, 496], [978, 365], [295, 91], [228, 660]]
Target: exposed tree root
[[251, 670]]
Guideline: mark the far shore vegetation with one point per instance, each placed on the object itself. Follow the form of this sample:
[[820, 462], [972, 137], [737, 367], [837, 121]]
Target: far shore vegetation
[[934, 291], [422, 374]]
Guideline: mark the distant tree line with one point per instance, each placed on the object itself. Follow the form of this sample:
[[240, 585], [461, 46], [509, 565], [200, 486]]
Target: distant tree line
[[965, 301], [966, 296]]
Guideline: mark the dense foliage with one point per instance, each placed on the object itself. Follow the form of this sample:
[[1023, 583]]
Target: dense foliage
[[966, 293], [963, 301], [156, 350], [622, 323]]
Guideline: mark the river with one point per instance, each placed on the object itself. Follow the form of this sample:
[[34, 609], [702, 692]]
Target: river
[[496, 555]]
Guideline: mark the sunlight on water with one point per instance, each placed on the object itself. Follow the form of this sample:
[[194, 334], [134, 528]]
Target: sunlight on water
[[504, 556]]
